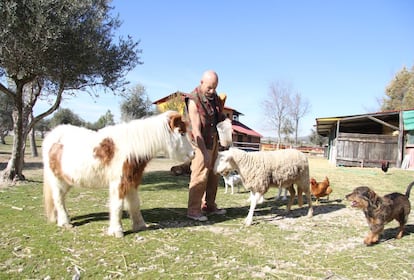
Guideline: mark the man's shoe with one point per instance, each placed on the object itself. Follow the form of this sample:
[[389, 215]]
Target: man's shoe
[[219, 212], [216, 211], [199, 218]]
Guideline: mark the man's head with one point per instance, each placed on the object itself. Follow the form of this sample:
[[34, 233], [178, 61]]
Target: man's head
[[209, 83]]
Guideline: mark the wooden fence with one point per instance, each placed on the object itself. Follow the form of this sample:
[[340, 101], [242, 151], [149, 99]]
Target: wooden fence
[[365, 150]]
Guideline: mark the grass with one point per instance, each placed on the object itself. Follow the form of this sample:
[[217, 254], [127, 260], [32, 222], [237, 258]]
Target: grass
[[276, 246]]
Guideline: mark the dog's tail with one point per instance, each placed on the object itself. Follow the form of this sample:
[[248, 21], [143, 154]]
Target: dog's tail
[[407, 192]]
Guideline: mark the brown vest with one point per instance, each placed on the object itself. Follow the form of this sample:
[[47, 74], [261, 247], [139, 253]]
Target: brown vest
[[211, 112]]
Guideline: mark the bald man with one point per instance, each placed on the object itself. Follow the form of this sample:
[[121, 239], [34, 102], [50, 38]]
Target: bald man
[[204, 110]]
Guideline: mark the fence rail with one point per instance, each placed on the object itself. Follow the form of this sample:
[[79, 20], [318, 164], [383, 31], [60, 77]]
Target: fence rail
[[247, 146]]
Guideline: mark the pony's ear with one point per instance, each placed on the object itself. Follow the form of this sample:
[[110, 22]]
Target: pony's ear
[[176, 121]]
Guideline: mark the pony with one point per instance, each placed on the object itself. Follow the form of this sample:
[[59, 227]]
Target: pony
[[113, 157]]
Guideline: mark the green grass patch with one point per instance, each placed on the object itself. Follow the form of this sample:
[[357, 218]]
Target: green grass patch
[[276, 246]]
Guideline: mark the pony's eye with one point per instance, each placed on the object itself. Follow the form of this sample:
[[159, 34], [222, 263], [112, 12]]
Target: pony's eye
[[182, 134]]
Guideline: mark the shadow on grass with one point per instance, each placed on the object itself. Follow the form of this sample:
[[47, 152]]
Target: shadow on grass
[[164, 180], [162, 218], [33, 165], [391, 233], [278, 207]]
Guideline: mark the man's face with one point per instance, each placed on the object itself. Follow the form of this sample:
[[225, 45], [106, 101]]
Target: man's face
[[208, 86]]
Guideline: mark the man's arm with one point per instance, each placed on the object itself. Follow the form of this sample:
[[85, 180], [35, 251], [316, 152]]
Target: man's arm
[[196, 131]]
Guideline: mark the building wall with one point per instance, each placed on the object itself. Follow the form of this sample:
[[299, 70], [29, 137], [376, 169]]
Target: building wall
[[365, 150]]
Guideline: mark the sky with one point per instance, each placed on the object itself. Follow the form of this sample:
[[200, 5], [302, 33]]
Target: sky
[[339, 55]]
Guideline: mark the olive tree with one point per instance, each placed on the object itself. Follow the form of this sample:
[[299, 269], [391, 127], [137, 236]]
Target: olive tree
[[51, 48]]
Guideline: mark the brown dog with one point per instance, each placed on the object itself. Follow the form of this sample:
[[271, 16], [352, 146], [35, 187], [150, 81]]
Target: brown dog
[[381, 210]]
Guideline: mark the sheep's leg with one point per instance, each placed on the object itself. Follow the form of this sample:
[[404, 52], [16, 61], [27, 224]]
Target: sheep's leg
[[309, 197], [300, 196], [279, 194], [292, 193], [254, 198]]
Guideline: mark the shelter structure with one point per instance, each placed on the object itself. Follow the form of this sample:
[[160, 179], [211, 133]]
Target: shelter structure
[[367, 140]]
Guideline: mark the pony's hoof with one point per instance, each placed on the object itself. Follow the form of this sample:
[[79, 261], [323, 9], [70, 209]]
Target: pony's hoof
[[116, 233], [67, 226]]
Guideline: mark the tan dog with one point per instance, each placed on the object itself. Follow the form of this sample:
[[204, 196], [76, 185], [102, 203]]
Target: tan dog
[[381, 210]]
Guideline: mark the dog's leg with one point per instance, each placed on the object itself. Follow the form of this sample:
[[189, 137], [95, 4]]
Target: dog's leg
[[232, 185], [133, 202], [400, 231], [371, 238], [402, 220], [284, 194], [225, 187], [115, 211], [254, 197], [374, 234]]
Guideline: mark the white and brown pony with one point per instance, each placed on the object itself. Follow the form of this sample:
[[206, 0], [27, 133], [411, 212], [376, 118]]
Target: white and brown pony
[[113, 157]]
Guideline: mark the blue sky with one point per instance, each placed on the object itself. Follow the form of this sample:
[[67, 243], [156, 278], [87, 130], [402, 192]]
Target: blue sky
[[339, 55]]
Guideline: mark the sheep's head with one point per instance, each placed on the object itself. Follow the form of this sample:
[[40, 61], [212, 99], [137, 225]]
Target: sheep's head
[[224, 163]]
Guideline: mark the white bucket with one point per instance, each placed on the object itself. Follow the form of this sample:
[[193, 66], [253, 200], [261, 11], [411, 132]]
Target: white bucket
[[225, 130]]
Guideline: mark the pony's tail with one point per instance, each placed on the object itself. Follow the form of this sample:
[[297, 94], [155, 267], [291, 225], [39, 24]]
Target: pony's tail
[[50, 210], [407, 192]]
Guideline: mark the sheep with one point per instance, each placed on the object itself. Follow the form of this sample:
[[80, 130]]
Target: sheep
[[261, 170]]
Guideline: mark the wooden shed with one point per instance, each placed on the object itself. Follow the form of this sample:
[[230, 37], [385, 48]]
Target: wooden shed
[[364, 140]]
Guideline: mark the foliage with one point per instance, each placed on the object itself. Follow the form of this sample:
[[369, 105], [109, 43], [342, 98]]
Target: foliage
[[49, 48], [65, 116], [284, 109], [399, 94], [277, 246], [316, 139], [6, 120], [105, 120], [136, 104], [175, 103]]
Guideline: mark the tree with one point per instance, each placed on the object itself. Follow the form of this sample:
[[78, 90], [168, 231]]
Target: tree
[[300, 107], [399, 94], [105, 120], [175, 103], [277, 108], [50, 48], [316, 139], [65, 116], [6, 120], [136, 104], [42, 126]]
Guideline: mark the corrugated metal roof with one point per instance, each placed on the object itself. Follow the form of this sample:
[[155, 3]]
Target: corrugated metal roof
[[408, 118], [325, 125]]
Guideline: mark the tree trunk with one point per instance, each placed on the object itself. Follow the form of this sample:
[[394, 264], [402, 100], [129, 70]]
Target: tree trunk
[[14, 169], [33, 147]]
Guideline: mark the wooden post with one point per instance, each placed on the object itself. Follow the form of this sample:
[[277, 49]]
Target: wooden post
[[400, 140]]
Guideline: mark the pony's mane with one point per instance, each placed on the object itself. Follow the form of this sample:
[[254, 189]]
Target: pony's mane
[[141, 138]]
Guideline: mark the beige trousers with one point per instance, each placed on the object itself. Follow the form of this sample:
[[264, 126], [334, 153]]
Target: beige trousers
[[203, 183]]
